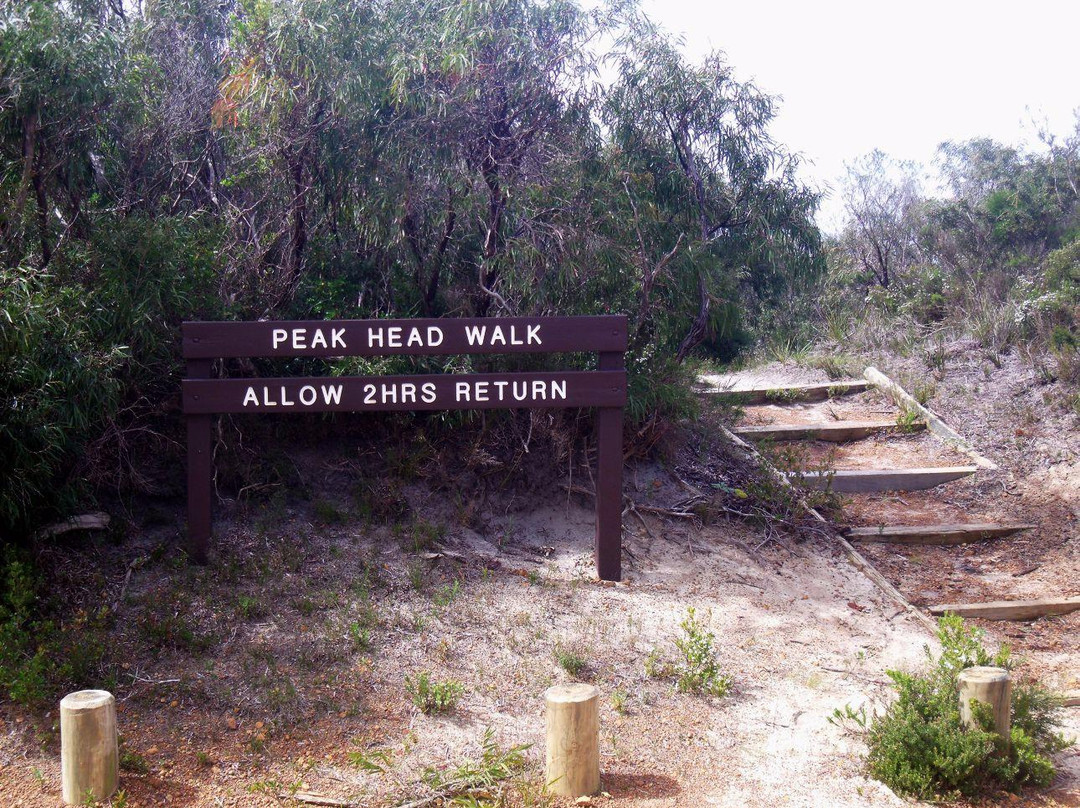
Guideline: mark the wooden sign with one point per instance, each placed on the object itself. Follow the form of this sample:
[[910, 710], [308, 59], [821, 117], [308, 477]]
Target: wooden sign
[[604, 388]]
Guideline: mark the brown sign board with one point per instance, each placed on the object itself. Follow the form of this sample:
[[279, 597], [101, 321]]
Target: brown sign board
[[604, 389], [484, 391], [504, 335]]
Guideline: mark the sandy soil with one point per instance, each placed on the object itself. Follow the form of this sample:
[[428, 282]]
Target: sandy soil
[[281, 694], [270, 669]]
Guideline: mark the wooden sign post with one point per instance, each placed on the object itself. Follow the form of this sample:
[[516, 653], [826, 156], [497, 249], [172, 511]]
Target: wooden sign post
[[604, 388]]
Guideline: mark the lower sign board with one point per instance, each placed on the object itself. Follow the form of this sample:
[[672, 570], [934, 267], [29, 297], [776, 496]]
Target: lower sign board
[[483, 391]]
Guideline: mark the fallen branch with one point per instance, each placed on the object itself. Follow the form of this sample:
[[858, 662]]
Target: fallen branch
[[87, 521], [317, 799]]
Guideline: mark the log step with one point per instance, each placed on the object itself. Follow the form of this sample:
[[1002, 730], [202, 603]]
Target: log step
[[865, 481], [934, 534], [839, 431], [784, 395], [1010, 609]]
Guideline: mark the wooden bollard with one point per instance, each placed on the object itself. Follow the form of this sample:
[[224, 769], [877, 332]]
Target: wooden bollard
[[573, 740], [89, 759], [990, 686]]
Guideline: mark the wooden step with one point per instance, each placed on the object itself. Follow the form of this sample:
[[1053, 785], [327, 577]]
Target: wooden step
[[784, 395], [1010, 609], [934, 534], [865, 481], [838, 431]]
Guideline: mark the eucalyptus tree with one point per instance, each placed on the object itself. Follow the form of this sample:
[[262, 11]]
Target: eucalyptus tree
[[728, 192]]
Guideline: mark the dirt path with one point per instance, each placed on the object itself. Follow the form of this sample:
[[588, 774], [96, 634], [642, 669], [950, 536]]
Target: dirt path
[[1041, 488]]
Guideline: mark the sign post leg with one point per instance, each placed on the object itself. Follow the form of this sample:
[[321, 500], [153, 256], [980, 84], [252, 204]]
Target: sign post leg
[[200, 474], [609, 504]]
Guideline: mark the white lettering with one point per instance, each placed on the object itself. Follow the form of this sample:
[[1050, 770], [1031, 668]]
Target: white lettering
[[266, 398], [250, 397], [481, 391], [285, 398], [539, 389], [393, 336], [533, 333], [279, 336], [475, 334], [514, 338], [374, 335], [308, 395], [427, 391], [558, 389], [369, 394], [331, 393], [414, 338], [500, 388], [433, 332], [519, 395], [408, 393], [461, 391], [299, 339], [389, 394], [319, 339], [337, 337], [497, 335]]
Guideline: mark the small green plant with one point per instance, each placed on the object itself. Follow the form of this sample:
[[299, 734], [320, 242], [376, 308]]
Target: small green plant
[[783, 395], [479, 782], [371, 760], [908, 420], [920, 748], [248, 607], [361, 636], [619, 700], [571, 661], [698, 672], [327, 512], [433, 697], [133, 762], [417, 576], [119, 799], [447, 593], [923, 391], [849, 719], [203, 759]]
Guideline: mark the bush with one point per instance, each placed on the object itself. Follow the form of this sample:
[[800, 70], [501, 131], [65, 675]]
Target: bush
[[919, 747], [433, 697]]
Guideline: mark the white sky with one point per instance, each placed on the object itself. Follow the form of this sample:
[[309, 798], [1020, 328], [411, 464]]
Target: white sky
[[898, 76]]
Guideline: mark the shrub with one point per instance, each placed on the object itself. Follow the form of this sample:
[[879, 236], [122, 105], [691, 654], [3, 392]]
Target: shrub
[[920, 748], [433, 697], [698, 670]]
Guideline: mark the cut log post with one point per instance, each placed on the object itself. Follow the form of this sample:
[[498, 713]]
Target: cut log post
[[1010, 609], [784, 394], [989, 686], [89, 758], [868, 481], [837, 432], [573, 740], [935, 534]]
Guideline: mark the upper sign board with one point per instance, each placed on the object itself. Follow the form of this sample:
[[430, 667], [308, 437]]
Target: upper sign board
[[414, 337]]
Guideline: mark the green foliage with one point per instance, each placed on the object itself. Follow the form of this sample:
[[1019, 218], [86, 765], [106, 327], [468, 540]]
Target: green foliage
[[433, 697], [571, 661], [919, 747], [38, 657], [699, 671], [480, 781]]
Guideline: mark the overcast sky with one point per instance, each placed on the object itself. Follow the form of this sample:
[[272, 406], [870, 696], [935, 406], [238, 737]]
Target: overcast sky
[[901, 77]]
